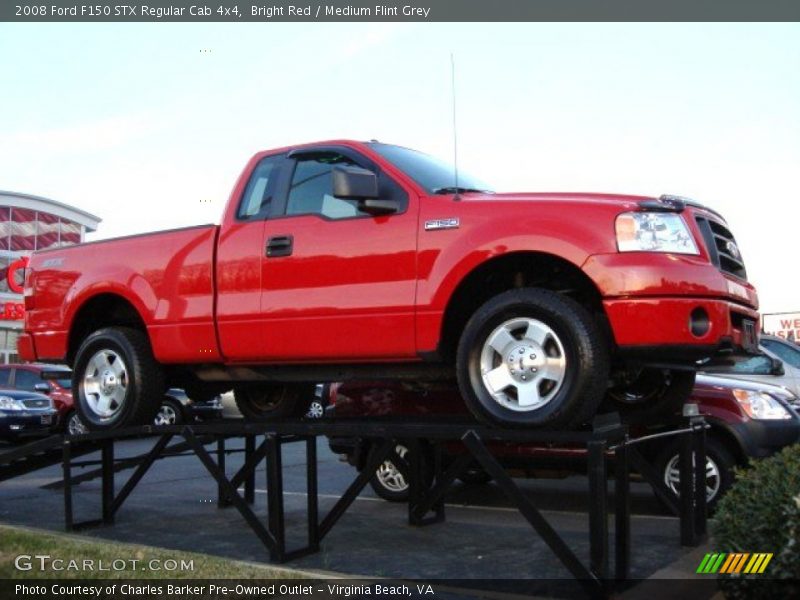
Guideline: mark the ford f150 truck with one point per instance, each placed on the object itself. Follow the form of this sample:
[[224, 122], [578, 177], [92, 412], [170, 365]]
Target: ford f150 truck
[[347, 259]]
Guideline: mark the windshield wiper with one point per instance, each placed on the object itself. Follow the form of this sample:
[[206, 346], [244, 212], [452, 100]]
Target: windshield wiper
[[459, 190]]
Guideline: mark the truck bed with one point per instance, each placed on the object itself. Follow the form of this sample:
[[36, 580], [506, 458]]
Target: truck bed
[[167, 276]]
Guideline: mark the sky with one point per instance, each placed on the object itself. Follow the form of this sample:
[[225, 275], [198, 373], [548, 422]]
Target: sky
[[148, 125]]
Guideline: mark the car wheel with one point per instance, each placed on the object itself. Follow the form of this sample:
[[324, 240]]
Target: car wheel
[[74, 425], [118, 382], [389, 482], [651, 394], [532, 358], [475, 475], [315, 410], [169, 413], [273, 401], [719, 470]]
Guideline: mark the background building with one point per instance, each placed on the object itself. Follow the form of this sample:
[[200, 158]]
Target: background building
[[29, 223]]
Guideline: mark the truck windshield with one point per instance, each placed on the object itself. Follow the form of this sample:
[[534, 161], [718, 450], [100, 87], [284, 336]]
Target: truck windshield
[[436, 176]]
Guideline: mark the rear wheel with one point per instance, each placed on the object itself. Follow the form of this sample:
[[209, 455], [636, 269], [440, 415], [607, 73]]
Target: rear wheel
[[169, 413], [532, 358], [651, 394], [389, 482], [475, 475], [118, 382], [273, 401], [74, 425]]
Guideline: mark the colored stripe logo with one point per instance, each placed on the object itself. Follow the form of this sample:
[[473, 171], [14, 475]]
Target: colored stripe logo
[[735, 562]]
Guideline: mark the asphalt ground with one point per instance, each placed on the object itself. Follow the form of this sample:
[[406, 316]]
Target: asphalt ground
[[483, 538]]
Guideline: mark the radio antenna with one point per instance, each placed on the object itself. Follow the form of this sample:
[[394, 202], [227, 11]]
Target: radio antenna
[[455, 135]]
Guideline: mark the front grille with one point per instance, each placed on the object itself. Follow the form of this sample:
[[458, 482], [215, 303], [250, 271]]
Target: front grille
[[722, 247], [37, 403]]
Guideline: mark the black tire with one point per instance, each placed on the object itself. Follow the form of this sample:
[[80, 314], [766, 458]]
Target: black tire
[[654, 395], [73, 424], [170, 412], [475, 475], [399, 490], [267, 402], [716, 453], [582, 344], [141, 387]]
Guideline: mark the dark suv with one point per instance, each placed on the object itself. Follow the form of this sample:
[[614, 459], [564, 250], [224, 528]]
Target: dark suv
[[747, 420], [53, 380]]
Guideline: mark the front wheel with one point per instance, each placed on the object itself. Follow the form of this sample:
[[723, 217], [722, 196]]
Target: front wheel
[[532, 358], [273, 401], [117, 382], [719, 470]]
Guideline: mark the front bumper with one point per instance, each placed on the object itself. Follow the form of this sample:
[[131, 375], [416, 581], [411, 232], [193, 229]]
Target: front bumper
[[662, 328], [655, 303], [206, 412], [759, 439], [15, 424]]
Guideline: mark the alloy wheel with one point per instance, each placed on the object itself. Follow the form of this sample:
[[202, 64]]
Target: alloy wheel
[[105, 383], [523, 364]]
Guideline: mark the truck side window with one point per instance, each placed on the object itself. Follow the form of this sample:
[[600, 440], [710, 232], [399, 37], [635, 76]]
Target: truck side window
[[258, 193], [4, 377], [311, 190]]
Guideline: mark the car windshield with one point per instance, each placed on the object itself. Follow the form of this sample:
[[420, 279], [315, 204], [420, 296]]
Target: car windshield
[[65, 383], [436, 176], [785, 351], [757, 365]]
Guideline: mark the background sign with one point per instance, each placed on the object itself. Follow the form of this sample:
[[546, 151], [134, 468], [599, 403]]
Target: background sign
[[784, 325]]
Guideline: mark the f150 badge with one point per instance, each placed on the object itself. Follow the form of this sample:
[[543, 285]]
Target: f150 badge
[[451, 223]]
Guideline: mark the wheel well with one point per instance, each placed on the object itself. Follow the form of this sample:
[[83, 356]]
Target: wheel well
[[103, 310], [510, 271], [726, 439]]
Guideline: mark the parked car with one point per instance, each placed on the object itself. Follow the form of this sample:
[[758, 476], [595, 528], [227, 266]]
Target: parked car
[[25, 413], [352, 259], [747, 420], [53, 380], [779, 364]]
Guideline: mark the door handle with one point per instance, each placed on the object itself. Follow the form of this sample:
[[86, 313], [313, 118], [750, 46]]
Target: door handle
[[280, 245]]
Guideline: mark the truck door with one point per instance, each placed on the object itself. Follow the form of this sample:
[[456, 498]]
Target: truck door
[[239, 252], [337, 283]]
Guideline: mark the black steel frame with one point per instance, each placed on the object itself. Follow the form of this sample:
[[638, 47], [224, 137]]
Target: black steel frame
[[607, 440]]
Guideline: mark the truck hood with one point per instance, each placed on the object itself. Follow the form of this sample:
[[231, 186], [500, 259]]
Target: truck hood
[[622, 201]]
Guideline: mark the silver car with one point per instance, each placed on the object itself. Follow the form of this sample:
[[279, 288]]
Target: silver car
[[778, 365]]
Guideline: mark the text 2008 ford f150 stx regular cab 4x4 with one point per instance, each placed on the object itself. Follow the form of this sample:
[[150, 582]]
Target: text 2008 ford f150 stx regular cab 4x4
[[347, 259]]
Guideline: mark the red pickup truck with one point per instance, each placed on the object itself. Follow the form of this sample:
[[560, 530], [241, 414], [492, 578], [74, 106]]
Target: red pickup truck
[[346, 259]]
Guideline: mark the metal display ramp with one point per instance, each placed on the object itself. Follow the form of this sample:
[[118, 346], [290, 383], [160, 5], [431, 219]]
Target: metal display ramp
[[609, 450]]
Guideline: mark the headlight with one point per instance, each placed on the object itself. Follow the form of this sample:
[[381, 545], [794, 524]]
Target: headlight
[[9, 403], [760, 405], [654, 232]]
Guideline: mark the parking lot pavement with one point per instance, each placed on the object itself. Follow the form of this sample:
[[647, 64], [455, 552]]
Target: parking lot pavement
[[174, 506]]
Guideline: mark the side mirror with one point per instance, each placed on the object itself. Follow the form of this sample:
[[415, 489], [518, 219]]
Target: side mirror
[[354, 183], [777, 367], [42, 388]]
